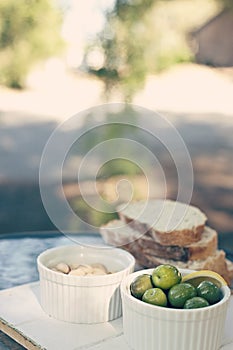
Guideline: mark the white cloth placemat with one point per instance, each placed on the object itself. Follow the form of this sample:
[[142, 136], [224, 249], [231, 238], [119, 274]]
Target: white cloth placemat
[[22, 318]]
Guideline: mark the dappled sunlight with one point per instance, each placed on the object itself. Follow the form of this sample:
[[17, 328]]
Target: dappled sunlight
[[108, 188], [53, 93], [189, 88]]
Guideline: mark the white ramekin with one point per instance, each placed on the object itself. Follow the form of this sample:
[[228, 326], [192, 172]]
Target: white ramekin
[[83, 299], [152, 327]]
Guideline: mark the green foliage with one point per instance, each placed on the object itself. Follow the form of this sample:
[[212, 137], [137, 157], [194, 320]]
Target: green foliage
[[29, 32], [145, 37], [118, 167], [110, 130], [123, 42], [225, 4], [90, 215], [135, 42]]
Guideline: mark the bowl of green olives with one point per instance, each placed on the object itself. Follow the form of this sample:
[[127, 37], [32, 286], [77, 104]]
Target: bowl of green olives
[[171, 308]]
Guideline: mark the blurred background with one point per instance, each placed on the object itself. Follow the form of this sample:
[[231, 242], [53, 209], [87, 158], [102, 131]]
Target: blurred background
[[61, 57]]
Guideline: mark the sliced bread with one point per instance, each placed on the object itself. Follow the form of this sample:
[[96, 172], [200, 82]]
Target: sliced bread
[[168, 222], [230, 269], [117, 233], [216, 262], [205, 247]]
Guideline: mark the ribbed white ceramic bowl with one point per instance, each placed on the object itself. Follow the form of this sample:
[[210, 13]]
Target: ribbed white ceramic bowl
[[83, 299], [151, 327]]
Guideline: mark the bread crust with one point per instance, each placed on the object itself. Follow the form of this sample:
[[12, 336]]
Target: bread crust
[[186, 234], [217, 259], [216, 262], [188, 244], [230, 268], [114, 233], [179, 238], [201, 249]]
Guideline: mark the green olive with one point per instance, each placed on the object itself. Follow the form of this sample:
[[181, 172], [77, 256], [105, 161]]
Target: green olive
[[195, 303], [209, 291], [179, 293], [140, 285]]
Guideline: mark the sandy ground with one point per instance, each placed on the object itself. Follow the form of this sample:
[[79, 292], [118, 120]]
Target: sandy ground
[[192, 90], [55, 94]]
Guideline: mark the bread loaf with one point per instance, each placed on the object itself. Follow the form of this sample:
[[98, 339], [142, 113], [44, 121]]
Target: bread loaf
[[167, 222], [165, 232], [216, 262], [230, 269], [117, 233]]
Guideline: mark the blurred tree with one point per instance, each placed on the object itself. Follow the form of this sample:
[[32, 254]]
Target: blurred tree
[[143, 37], [123, 43], [133, 43], [29, 31], [226, 4]]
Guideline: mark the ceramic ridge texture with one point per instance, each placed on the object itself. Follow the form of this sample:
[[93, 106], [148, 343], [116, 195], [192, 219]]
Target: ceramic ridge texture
[[83, 299], [152, 327]]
